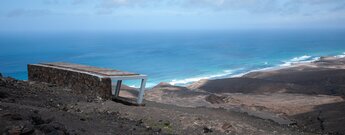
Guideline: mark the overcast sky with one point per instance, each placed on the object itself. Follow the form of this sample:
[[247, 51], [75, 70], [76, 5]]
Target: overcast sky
[[64, 15]]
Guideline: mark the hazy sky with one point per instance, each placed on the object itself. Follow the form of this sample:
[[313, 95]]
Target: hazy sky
[[65, 15]]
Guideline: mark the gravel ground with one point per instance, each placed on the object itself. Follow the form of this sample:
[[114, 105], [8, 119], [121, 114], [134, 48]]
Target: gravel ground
[[40, 108]]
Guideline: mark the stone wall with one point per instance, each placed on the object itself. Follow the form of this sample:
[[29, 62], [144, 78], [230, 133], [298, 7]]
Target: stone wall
[[82, 83]]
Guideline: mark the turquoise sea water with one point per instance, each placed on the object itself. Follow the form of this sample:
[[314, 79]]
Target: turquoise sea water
[[178, 57]]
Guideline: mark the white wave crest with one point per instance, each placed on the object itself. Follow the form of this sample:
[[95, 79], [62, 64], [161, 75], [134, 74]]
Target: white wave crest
[[194, 79], [301, 59], [148, 85], [133, 86], [254, 70], [230, 73], [341, 55]]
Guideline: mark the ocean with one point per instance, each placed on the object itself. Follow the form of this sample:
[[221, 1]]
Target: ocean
[[176, 57]]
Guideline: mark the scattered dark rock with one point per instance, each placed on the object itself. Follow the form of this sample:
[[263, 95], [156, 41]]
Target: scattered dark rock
[[51, 85], [20, 130], [321, 120], [140, 122], [293, 123], [59, 126], [11, 81], [36, 111], [16, 130], [0, 75], [214, 99], [27, 129], [51, 96], [157, 130], [14, 116], [148, 128], [49, 120], [11, 100], [65, 108], [89, 100], [73, 132], [78, 110], [47, 128], [53, 128], [82, 130], [37, 120], [167, 123], [31, 102], [207, 130], [226, 126], [3, 94], [2, 82]]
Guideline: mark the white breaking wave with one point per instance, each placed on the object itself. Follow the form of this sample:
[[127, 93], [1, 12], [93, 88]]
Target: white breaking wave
[[295, 60], [133, 86], [194, 79], [341, 55], [301, 59], [148, 85], [254, 70]]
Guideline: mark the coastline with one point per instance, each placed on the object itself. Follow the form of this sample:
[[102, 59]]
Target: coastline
[[208, 74], [306, 98], [291, 95], [295, 61]]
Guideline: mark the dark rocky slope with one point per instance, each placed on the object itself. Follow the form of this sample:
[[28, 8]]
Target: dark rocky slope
[[40, 108]]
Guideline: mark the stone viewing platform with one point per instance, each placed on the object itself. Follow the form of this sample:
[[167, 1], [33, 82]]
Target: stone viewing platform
[[86, 80]]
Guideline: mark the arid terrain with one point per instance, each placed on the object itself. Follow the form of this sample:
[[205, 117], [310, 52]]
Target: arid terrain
[[309, 96], [302, 99]]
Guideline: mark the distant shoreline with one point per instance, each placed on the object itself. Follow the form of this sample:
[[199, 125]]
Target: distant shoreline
[[296, 61], [292, 95]]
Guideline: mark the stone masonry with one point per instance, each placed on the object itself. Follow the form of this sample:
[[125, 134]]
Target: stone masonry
[[83, 83]]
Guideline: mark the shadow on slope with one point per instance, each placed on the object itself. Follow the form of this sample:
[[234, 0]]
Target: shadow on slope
[[325, 119], [327, 82]]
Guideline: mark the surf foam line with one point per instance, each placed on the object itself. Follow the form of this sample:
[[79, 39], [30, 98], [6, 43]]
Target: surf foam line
[[341, 55], [288, 63], [297, 60], [195, 79], [230, 73]]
